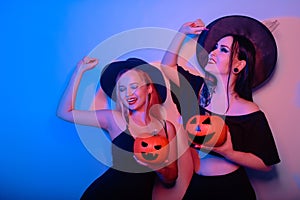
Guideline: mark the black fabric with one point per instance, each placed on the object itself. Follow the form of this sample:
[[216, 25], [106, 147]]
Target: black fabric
[[232, 186], [112, 71], [186, 96], [250, 133], [115, 184], [122, 153], [126, 179]]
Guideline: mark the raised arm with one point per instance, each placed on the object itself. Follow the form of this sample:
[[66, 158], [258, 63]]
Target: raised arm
[[171, 56], [100, 101], [66, 108]]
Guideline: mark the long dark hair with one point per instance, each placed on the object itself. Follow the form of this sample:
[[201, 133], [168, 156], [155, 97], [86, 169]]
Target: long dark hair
[[244, 50]]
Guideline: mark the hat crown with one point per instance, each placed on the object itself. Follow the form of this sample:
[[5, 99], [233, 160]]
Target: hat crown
[[112, 71]]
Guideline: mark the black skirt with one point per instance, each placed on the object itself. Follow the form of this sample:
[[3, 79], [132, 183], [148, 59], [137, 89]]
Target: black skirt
[[233, 186], [114, 184]]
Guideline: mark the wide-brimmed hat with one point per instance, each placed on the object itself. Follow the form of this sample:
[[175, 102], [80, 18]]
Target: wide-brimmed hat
[[255, 31], [111, 72]]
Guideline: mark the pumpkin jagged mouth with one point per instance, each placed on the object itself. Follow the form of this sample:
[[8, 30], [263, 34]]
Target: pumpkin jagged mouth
[[199, 139], [149, 156]]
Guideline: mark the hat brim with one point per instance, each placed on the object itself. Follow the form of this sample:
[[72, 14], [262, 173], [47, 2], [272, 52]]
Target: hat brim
[[253, 30], [111, 72]]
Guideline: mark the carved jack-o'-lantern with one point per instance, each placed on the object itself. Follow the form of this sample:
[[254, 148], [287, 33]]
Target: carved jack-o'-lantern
[[207, 130], [152, 149]]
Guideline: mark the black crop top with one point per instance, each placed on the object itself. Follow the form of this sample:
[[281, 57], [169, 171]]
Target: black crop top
[[122, 153], [249, 133]]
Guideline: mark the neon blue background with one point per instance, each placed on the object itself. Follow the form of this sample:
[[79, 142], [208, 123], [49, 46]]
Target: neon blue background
[[42, 156]]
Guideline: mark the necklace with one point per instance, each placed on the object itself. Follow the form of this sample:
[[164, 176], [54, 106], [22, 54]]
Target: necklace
[[136, 130]]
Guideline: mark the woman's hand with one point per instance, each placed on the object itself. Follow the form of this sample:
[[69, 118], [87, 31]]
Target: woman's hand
[[195, 27], [66, 108], [87, 63], [225, 149]]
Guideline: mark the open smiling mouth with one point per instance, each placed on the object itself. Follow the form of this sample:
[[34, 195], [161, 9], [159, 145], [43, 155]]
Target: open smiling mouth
[[200, 139], [149, 156], [131, 101]]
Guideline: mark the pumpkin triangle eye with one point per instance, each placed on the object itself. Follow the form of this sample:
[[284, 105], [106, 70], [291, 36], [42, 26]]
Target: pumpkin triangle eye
[[157, 147], [194, 121], [144, 144], [206, 121]]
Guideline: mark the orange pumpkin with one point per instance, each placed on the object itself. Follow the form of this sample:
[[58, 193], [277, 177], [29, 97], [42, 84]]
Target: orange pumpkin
[[207, 130], [152, 149]]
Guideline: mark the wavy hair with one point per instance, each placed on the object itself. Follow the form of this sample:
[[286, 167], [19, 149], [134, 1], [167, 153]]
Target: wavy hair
[[152, 99]]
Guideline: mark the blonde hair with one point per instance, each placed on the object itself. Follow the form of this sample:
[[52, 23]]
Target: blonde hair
[[153, 98]]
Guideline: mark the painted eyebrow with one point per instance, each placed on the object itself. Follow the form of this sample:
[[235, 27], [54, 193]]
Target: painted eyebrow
[[129, 84], [223, 45]]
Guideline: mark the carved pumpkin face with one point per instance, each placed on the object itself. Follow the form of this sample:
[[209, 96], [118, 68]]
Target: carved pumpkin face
[[207, 130], [152, 149]]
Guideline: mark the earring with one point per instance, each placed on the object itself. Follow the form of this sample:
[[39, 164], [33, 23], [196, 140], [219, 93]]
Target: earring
[[235, 70]]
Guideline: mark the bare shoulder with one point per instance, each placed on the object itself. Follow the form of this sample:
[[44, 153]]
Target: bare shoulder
[[242, 107], [248, 106]]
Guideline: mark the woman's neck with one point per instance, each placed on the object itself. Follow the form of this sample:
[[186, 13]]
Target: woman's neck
[[139, 117], [223, 95], [141, 123]]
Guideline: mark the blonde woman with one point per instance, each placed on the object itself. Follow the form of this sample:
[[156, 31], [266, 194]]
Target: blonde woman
[[136, 87]]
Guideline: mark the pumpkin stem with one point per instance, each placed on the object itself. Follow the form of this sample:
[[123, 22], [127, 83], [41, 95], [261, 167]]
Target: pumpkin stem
[[154, 132]]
